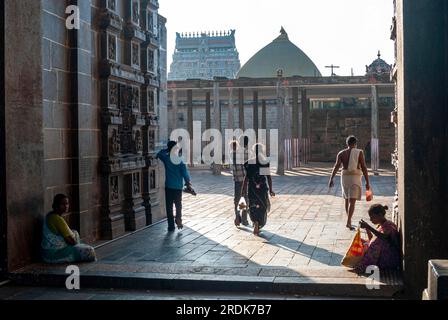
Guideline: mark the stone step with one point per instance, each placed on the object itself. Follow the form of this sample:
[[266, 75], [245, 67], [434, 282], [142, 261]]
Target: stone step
[[304, 282], [437, 280]]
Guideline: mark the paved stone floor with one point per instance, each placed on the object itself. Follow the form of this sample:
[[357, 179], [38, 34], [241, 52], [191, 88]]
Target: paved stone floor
[[299, 250], [306, 225]]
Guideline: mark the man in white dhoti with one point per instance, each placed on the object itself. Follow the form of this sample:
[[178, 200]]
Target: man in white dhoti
[[354, 167]]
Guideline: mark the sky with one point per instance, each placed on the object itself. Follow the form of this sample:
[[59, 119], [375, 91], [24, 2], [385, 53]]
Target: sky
[[345, 33]]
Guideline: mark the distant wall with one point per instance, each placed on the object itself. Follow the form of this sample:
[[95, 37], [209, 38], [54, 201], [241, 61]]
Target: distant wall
[[329, 128]]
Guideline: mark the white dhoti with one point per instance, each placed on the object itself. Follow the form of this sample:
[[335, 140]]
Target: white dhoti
[[351, 179]]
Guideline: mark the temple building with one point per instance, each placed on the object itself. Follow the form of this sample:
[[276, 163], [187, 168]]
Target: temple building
[[204, 56], [280, 54], [379, 66], [281, 88]]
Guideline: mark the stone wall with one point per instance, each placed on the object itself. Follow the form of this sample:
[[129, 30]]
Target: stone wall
[[23, 122], [330, 128], [71, 115], [61, 109]]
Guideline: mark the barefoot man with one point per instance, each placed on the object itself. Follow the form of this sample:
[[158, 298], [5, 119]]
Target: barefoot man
[[354, 167]]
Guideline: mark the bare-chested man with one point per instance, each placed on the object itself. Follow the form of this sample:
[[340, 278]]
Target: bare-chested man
[[354, 167]]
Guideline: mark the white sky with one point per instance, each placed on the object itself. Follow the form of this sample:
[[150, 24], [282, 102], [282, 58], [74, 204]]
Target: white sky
[[347, 33]]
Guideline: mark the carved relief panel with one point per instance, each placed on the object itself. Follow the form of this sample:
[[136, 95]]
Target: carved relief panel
[[150, 61], [152, 141], [135, 99], [135, 12], [135, 53], [127, 96], [151, 100], [112, 5], [113, 95], [114, 141], [112, 47], [136, 184], [153, 183], [149, 21], [137, 141], [126, 111], [114, 190]]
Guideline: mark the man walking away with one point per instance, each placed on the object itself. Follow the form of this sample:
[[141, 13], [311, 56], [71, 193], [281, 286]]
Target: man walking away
[[354, 167], [175, 174]]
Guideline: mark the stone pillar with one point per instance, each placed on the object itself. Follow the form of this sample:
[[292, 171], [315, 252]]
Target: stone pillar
[[263, 115], [22, 141], [305, 114], [288, 113], [174, 110], [375, 155], [280, 128], [208, 115], [295, 112], [305, 143], [86, 156], [216, 119], [190, 121], [422, 50], [216, 107], [241, 108], [230, 120], [255, 112], [288, 128]]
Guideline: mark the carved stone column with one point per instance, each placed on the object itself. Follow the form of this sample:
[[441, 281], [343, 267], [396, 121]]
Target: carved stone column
[[375, 156]]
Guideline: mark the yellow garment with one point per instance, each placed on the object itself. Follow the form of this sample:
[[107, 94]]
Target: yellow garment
[[58, 225]]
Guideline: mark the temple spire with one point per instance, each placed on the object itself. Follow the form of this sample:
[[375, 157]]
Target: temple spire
[[283, 34]]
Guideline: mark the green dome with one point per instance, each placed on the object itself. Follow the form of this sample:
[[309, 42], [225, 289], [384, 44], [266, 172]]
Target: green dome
[[279, 54]]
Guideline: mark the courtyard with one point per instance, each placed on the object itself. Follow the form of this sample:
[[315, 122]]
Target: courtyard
[[300, 248], [306, 225]]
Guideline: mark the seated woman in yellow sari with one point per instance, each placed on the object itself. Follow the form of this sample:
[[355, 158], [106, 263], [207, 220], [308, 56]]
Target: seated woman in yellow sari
[[59, 243]]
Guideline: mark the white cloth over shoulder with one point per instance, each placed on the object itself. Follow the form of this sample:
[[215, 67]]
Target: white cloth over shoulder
[[351, 179]]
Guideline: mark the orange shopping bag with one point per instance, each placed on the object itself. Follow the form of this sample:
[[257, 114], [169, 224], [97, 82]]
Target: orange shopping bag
[[355, 252]]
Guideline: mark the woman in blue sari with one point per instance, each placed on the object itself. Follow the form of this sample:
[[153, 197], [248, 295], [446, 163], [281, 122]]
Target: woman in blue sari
[[60, 244]]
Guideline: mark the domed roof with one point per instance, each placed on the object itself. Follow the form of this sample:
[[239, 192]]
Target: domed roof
[[379, 66], [279, 54]]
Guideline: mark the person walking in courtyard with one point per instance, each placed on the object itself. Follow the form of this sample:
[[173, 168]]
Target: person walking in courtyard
[[354, 167], [239, 173], [384, 242], [176, 173], [59, 243], [257, 183]]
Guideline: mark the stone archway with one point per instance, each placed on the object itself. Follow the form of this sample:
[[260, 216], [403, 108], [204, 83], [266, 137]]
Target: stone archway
[[421, 29], [422, 51]]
